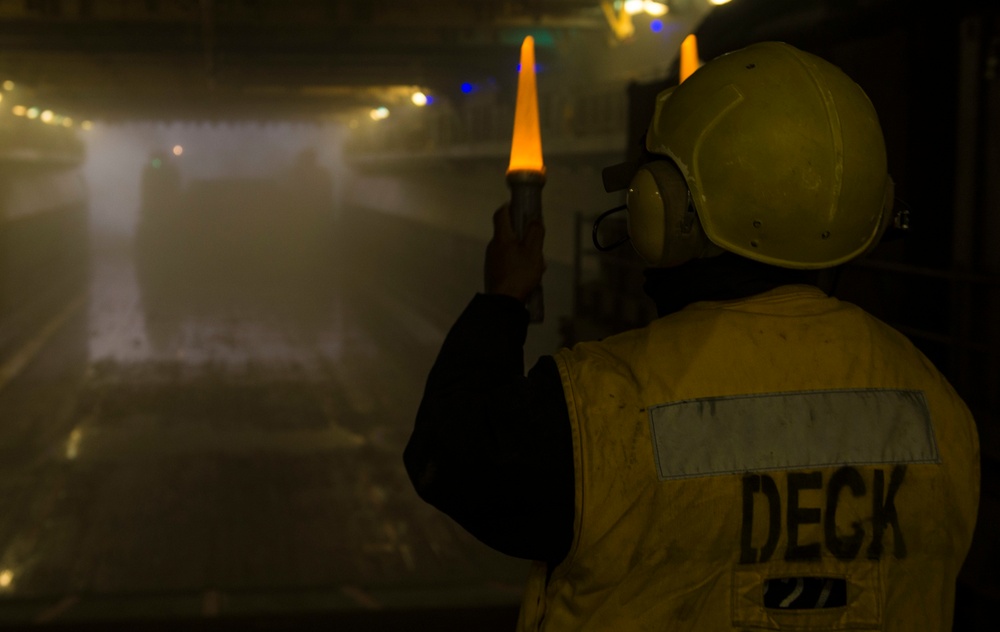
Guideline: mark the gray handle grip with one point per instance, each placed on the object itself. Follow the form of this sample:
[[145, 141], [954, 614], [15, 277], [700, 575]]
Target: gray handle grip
[[526, 207]]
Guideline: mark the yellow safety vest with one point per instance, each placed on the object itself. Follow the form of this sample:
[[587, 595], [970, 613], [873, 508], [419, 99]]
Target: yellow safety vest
[[736, 447]]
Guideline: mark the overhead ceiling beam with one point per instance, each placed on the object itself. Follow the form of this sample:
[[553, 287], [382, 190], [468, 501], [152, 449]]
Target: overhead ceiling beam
[[115, 56]]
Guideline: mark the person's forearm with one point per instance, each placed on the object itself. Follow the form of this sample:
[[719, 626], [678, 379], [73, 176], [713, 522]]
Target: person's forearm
[[482, 352]]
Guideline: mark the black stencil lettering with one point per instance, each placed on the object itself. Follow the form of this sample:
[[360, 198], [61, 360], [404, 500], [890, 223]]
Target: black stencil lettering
[[843, 548], [748, 554], [884, 513], [770, 489], [802, 515], [753, 483]]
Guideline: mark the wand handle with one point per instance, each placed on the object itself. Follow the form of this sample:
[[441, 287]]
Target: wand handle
[[526, 207]]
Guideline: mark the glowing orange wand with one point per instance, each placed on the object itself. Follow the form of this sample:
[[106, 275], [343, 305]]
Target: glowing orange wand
[[689, 57], [526, 172]]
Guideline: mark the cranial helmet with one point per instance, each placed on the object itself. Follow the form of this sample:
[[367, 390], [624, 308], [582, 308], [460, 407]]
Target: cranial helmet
[[768, 152]]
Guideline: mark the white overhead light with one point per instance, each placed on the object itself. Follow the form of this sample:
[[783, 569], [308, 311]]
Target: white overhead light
[[47, 116], [634, 7], [419, 99], [719, 2], [379, 113], [652, 7], [655, 9], [33, 113]]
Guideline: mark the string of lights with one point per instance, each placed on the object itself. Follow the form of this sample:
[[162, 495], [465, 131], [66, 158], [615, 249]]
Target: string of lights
[[35, 112]]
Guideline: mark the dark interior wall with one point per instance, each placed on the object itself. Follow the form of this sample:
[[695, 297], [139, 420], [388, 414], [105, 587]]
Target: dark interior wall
[[42, 213], [43, 249]]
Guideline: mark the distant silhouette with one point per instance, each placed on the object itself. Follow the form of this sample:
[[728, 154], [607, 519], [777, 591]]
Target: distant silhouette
[[311, 185], [156, 246], [161, 189], [310, 213]]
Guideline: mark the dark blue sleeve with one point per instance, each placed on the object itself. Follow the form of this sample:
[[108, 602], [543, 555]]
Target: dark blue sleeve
[[492, 447]]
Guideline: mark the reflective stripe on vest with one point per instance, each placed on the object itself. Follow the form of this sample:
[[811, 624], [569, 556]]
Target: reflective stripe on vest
[[781, 431]]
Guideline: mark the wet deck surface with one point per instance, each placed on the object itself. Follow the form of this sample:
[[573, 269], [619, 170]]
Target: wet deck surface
[[221, 442]]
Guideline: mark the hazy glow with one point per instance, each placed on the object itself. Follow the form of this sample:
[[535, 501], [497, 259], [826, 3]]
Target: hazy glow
[[1, 97], [8, 85], [33, 113], [379, 113], [655, 9], [87, 125], [73, 444], [178, 150], [117, 155], [6, 578], [67, 122], [419, 99], [619, 19], [19, 110]]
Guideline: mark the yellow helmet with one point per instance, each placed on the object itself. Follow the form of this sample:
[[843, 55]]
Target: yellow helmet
[[783, 158]]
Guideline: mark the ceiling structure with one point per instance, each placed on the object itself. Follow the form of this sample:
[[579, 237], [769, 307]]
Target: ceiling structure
[[170, 59], [266, 59]]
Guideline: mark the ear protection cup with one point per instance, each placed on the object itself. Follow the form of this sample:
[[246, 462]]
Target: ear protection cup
[[662, 222]]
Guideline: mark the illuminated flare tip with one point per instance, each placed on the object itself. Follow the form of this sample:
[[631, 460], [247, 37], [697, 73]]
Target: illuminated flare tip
[[689, 56], [526, 148]]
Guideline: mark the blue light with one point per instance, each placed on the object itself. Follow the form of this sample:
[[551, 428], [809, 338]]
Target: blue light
[[656, 25], [430, 99], [466, 88]]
